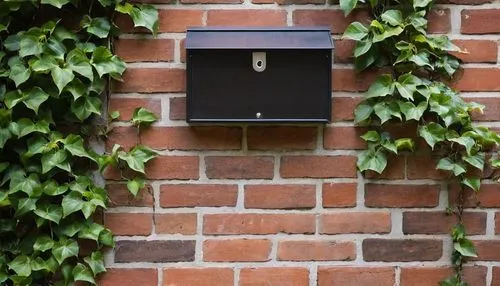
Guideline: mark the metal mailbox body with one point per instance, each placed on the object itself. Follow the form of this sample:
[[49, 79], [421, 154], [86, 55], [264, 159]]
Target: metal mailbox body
[[259, 74]]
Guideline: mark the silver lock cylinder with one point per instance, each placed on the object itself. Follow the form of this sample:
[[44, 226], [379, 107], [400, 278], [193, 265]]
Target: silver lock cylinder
[[259, 61]]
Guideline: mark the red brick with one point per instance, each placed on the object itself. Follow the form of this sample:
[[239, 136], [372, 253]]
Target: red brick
[[487, 197], [129, 277], [343, 138], [211, 1], [183, 50], [423, 166], [441, 223], [355, 222], [477, 51], [142, 50], [289, 2], [129, 223], [252, 17], [487, 250], [280, 196], [192, 138], [239, 167], [343, 52], [356, 276], [173, 167], [187, 195], [241, 250], [395, 169], [335, 19], [258, 223], [439, 21], [156, 1], [119, 195], [478, 79], [281, 138], [402, 250], [198, 195], [198, 276], [274, 276], [179, 223], [305, 250], [481, 21], [343, 108], [427, 276], [465, 2], [348, 80], [177, 108], [126, 106], [149, 80], [339, 195], [318, 167], [497, 223], [126, 137], [496, 276], [154, 251], [492, 110], [401, 196], [177, 21]]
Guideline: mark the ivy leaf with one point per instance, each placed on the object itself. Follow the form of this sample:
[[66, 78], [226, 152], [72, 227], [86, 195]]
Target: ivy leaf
[[392, 17], [4, 136], [362, 112], [432, 133], [79, 63], [74, 145], [371, 136], [362, 47], [43, 64], [421, 3], [465, 247], [405, 144], [77, 89], [98, 26], [55, 48], [82, 273], [4, 202], [412, 112], [19, 74], [72, 203], [421, 59], [34, 98], [388, 32], [473, 183], [25, 205], [65, 248], [55, 159], [96, 262], [85, 106], [61, 77], [348, 5], [50, 212], [383, 86], [145, 16], [125, 8], [355, 31], [143, 117], [385, 111], [39, 264], [106, 238], [448, 165], [91, 231], [372, 160], [135, 185], [27, 185], [407, 85], [71, 228], [43, 243], [21, 265], [56, 3], [106, 63], [30, 45], [137, 157]]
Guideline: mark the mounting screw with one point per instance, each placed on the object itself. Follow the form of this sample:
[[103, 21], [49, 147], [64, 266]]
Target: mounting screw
[[258, 115]]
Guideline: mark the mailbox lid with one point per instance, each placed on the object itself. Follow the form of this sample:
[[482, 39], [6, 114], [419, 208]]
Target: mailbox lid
[[259, 38]]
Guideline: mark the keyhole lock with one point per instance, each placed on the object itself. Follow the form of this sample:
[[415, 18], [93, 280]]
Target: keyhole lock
[[258, 115], [259, 61]]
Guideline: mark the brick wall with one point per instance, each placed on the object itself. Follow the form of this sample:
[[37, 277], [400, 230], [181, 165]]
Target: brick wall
[[283, 205]]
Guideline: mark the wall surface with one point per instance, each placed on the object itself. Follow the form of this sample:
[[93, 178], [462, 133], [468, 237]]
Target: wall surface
[[283, 205]]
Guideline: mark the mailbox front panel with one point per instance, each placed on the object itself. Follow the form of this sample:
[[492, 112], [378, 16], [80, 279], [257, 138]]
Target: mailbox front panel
[[224, 86]]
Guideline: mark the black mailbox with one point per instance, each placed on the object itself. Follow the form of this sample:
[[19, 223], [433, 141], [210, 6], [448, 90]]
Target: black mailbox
[[259, 74]]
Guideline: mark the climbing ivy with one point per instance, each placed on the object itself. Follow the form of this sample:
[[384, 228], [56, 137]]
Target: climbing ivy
[[414, 89], [56, 63]]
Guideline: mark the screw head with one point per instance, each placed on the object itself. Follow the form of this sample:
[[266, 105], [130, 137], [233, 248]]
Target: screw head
[[258, 115]]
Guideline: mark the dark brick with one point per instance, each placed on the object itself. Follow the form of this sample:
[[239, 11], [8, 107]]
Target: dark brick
[[154, 251], [404, 250]]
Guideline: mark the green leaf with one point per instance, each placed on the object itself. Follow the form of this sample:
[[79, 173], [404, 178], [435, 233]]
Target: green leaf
[[96, 262], [371, 136], [30, 45], [77, 89], [383, 86], [385, 111], [412, 112], [137, 157], [19, 74], [44, 64], [27, 185], [72, 203], [50, 212], [70, 228], [79, 63], [74, 145], [55, 48], [61, 77], [473, 183], [348, 5], [124, 8], [53, 159], [43, 243], [38, 264], [143, 117], [362, 112], [372, 160], [114, 115], [85, 106], [422, 59], [465, 247], [407, 85], [34, 98], [12, 43], [64, 249], [21, 265], [83, 273], [432, 133], [135, 185], [355, 31], [4, 202], [145, 16], [467, 142], [91, 231], [106, 238], [388, 33], [25, 205], [448, 165], [55, 3], [5, 135], [362, 47], [99, 26], [106, 63], [405, 144], [392, 17], [421, 3]]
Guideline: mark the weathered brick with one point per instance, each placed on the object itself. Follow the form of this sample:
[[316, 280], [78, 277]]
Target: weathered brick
[[240, 250], [423, 166], [125, 136], [477, 51], [274, 276], [203, 195], [356, 276], [487, 250], [430, 276], [289, 2], [487, 197], [141, 50], [344, 50], [239, 167], [177, 20], [251, 17], [343, 138], [401, 196], [154, 251], [177, 108], [306, 250], [441, 223], [173, 167], [465, 2], [126, 106], [339, 195], [335, 19], [119, 195], [280, 196], [395, 169], [496, 276], [318, 167], [211, 1], [480, 21], [176, 223], [281, 138], [344, 79], [258, 223], [355, 222], [439, 21], [149, 80], [129, 223], [403, 250], [478, 79], [192, 138], [209, 276], [497, 223], [343, 108], [492, 110], [125, 277]]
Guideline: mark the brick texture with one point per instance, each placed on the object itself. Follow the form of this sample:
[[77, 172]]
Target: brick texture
[[242, 250], [356, 276], [198, 276], [316, 250], [274, 276]]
